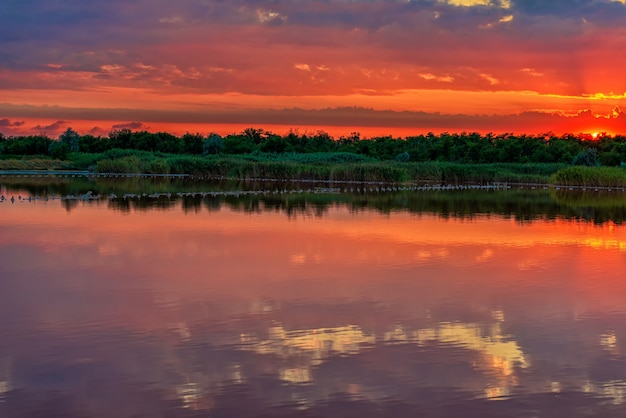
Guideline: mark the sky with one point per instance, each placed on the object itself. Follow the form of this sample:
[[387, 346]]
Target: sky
[[378, 67]]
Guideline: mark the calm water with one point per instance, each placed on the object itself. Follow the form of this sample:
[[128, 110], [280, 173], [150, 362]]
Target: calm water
[[433, 304]]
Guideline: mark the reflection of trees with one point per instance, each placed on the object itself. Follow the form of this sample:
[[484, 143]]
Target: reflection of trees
[[212, 204], [140, 204], [47, 186], [69, 204], [599, 206], [293, 205], [296, 199], [191, 204]]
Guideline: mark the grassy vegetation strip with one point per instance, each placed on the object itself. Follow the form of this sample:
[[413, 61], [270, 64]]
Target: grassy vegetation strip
[[323, 166], [590, 176], [451, 173], [31, 164]]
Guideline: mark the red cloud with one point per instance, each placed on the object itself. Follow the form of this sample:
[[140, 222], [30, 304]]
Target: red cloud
[[130, 125], [6, 123]]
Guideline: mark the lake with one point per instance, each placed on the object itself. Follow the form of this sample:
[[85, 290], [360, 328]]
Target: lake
[[180, 298]]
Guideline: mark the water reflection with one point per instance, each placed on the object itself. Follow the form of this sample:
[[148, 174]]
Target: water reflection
[[357, 309], [314, 199]]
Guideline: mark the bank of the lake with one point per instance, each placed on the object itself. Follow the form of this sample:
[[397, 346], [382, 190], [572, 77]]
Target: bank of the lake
[[344, 167]]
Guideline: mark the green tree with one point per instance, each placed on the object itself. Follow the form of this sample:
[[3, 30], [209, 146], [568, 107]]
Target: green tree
[[588, 157], [59, 149], [321, 142], [213, 144], [121, 138], [193, 143], [255, 135], [238, 144], [276, 144], [71, 139], [28, 145]]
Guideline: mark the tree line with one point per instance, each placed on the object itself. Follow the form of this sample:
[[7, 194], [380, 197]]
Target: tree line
[[466, 148]]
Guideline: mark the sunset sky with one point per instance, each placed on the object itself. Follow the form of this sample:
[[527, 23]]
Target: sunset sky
[[380, 67]]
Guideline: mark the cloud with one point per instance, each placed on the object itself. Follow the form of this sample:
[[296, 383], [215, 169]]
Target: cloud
[[129, 125], [364, 119], [492, 80], [590, 9], [270, 17], [172, 20], [308, 48], [52, 128], [303, 67], [97, 131], [429, 77], [6, 123], [532, 72], [505, 4]]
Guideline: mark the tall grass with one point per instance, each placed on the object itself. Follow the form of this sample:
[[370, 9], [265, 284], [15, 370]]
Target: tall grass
[[31, 164], [314, 166], [590, 176], [321, 166], [124, 161], [119, 165], [451, 173], [311, 158]]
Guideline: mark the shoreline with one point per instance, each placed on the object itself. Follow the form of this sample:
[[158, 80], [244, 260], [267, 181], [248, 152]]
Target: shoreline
[[415, 185]]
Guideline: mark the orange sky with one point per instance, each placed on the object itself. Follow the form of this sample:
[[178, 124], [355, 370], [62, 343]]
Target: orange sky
[[377, 67]]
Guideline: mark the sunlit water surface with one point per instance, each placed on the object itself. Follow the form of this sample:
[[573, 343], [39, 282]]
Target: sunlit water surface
[[110, 311]]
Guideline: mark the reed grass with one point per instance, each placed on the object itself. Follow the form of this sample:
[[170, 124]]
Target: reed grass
[[339, 166], [130, 164], [453, 173], [590, 176], [31, 164], [324, 166]]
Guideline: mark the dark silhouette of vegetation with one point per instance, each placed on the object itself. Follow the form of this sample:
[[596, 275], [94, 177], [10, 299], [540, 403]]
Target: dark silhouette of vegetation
[[465, 148], [213, 144], [588, 157], [259, 153]]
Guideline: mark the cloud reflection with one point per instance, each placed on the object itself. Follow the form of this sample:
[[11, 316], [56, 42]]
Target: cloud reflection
[[310, 347]]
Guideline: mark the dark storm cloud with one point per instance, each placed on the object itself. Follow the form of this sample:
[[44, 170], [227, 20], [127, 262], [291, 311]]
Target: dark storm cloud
[[4, 123]]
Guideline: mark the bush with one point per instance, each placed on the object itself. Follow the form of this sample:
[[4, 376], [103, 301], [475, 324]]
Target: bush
[[403, 157], [588, 157]]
